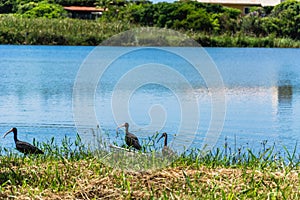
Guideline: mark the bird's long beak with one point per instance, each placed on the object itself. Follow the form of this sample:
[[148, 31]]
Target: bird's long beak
[[117, 130], [5, 134], [123, 125], [160, 138]]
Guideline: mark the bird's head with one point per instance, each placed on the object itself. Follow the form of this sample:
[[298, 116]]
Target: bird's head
[[162, 136], [14, 130], [126, 125]]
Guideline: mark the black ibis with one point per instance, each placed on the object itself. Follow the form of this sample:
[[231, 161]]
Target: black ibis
[[130, 139], [166, 151], [23, 147]]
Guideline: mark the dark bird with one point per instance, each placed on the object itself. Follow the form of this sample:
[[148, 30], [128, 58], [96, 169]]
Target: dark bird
[[23, 147], [130, 139], [166, 151]]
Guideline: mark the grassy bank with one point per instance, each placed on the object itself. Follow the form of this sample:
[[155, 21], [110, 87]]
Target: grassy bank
[[244, 41], [41, 31], [70, 171]]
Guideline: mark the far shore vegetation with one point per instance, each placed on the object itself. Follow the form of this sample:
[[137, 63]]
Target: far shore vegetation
[[69, 170], [46, 22]]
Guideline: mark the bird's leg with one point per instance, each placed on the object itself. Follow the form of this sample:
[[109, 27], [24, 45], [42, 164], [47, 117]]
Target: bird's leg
[[129, 148]]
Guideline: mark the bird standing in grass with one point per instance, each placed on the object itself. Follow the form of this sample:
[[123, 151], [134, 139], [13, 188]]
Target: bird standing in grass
[[130, 139], [23, 147], [166, 151]]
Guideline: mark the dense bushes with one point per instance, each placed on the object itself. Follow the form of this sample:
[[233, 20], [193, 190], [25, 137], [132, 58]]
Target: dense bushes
[[214, 25], [181, 15], [6, 6], [282, 21], [10, 6], [16, 30], [41, 9]]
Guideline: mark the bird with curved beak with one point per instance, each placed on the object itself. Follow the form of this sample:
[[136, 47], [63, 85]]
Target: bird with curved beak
[[21, 146], [166, 151], [130, 139]]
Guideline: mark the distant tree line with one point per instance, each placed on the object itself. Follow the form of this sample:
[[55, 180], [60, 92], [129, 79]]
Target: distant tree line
[[282, 21], [192, 16]]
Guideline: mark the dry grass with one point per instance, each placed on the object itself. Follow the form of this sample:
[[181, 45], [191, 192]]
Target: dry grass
[[70, 171], [89, 179]]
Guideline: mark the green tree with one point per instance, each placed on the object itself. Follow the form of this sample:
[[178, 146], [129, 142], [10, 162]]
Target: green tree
[[288, 14], [113, 9], [7, 6], [41, 9], [229, 20]]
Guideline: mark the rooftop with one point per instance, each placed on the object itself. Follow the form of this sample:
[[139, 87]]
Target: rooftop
[[83, 9]]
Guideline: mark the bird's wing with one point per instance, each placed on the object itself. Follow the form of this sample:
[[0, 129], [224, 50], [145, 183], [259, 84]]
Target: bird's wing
[[25, 147], [137, 145], [132, 136], [132, 140]]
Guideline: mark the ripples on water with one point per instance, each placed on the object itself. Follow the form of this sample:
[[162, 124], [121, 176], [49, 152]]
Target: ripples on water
[[262, 95]]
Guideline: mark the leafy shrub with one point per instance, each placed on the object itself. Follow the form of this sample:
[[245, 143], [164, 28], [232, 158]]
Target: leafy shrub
[[41, 9], [7, 6]]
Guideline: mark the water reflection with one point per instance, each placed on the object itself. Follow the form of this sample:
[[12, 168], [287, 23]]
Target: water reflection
[[263, 102], [285, 94], [283, 99]]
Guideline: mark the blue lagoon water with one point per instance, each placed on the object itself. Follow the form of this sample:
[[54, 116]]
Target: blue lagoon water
[[262, 92]]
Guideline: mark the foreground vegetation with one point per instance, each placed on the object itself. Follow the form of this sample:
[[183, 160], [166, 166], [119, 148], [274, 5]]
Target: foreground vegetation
[[46, 22], [71, 171]]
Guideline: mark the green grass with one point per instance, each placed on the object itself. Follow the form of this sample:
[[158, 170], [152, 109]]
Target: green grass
[[240, 40], [69, 171], [42, 31]]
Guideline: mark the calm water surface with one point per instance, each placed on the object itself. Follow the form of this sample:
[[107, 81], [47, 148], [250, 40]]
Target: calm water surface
[[262, 95]]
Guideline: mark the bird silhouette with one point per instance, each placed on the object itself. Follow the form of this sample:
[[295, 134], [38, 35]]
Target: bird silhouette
[[130, 139], [166, 151], [21, 146]]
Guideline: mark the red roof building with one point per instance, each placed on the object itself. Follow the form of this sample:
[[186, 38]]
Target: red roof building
[[83, 12]]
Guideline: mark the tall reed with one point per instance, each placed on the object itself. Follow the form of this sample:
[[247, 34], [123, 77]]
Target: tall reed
[[41, 31]]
